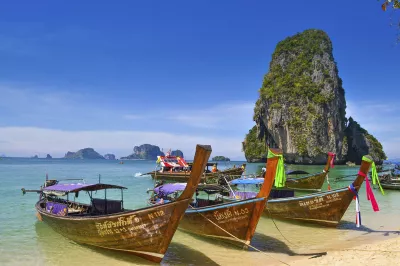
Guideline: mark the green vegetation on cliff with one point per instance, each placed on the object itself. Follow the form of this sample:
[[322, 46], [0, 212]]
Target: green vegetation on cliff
[[362, 143], [299, 72], [292, 67], [302, 106], [254, 148]]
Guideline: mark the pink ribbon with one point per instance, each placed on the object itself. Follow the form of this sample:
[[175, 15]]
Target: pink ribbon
[[370, 193], [333, 158]]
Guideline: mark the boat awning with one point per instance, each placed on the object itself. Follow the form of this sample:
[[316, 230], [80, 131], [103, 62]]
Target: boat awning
[[170, 188], [211, 189], [297, 172], [247, 181], [167, 189], [67, 188], [208, 164]]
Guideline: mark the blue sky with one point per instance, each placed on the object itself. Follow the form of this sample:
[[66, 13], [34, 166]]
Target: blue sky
[[175, 73]]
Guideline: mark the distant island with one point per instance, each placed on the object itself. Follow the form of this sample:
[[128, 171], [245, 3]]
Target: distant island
[[144, 152], [220, 158], [109, 156], [35, 157], [87, 153], [48, 156], [177, 153], [149, 152]]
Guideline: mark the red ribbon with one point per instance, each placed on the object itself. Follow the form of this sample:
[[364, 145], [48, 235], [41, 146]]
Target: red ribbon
[[370, 193], [333, 158]]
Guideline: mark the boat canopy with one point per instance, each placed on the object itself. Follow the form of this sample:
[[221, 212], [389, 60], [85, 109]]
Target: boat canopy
[[208, 164], [67, 188], [171, 188], [167, 189], [247, 181], [297, 172]]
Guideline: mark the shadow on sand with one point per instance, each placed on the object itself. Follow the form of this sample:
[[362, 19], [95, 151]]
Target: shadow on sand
[[351, 226], [56, 247], [273, 245], [259, 241]]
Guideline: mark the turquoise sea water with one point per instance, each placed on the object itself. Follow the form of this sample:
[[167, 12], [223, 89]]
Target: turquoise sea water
[[26, 241]]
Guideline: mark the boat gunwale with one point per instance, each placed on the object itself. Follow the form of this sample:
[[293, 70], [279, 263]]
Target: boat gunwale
[[311, 195], [191, 210], [102, 216]]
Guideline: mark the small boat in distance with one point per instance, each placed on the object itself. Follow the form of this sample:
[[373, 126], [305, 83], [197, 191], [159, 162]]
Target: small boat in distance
[[105, 223], [235, 221], [175, 168], [310, 182], [392, 186]]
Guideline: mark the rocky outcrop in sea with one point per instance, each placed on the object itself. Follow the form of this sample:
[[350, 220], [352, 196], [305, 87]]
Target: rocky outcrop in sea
[[109, 156], [144, 152], [177, 153], [302, 106], [87, 153]]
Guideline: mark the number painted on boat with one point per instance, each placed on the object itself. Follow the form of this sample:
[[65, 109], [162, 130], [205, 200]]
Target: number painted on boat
[[228, 215], [320, 202], [156, 214], [121, 225]]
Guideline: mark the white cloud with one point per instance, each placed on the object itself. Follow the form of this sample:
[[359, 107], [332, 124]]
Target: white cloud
[[229, 115], [28, 141]]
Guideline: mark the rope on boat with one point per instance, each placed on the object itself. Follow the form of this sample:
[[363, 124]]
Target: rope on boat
[[238, 239], [290, 242]]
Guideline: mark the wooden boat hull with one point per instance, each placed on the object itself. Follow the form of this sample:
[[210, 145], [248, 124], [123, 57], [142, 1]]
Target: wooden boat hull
[[145, 232], [394, 186], [326, 208], [312, 182], [239, 218], [184, 176]]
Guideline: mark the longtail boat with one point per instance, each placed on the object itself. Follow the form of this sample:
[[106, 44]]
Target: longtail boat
[[235, 221], [392, 186], [305, 181], [105, 223], [311, 182], [325, 208], [175, 168]]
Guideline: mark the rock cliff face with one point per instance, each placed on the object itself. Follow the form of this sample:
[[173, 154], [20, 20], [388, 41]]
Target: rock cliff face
[[301, 108], [87, 153], [361, 143], [177, 153], [145, 152]]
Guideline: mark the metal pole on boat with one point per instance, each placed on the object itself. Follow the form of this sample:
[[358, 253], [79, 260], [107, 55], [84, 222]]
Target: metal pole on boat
[[99, 178], [122, 198], [229, 186]]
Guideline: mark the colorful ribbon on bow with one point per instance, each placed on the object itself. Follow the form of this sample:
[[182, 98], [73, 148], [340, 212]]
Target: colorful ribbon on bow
[[333, 158], [358, 213], [370, 193], [374, 176], [280, 176]]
